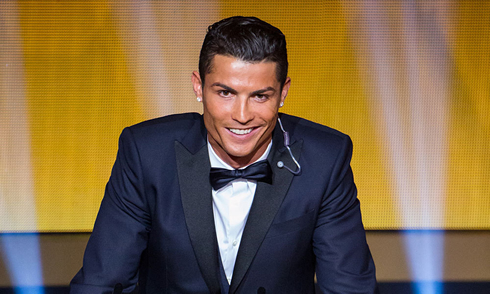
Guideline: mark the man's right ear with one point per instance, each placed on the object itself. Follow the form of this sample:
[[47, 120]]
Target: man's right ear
[[197, 85]]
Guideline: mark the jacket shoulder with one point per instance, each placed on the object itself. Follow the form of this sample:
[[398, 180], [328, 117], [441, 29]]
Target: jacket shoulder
[[173, 126], [312, 132], [172, 122]]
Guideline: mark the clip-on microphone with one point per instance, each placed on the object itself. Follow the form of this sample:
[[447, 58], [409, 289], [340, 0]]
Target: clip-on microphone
[[280, 164]]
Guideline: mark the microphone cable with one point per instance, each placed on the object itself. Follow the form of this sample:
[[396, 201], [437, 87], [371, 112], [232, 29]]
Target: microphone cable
[[281, 164]]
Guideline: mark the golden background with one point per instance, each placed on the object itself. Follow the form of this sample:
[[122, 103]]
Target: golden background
[[75, 73]]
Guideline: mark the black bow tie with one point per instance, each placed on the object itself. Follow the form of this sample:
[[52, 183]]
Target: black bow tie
[[259, 171]]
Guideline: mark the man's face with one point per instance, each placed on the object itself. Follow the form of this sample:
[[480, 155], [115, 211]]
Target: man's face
[[241, 101]]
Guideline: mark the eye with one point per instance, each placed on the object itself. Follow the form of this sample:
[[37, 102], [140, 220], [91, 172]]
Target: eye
[[261, 97], [224, 93]]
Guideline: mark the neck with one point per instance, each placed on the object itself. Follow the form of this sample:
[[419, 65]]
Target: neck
[[237, 162]]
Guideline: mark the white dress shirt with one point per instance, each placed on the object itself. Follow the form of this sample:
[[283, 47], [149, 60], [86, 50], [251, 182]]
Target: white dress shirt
[[231, 205]]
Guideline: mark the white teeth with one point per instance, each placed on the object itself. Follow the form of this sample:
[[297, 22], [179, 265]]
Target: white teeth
[[240, 132]]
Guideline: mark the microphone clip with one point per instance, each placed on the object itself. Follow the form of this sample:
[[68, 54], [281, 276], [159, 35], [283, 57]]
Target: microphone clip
[[281, 164]]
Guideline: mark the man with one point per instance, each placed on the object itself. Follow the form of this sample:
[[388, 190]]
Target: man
[[171, 224]]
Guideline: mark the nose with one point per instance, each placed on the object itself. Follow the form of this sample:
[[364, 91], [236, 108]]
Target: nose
[[242, 111]]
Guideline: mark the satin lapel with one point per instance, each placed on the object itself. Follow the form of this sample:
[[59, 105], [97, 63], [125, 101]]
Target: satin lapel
[[195, 190], [266, 203]]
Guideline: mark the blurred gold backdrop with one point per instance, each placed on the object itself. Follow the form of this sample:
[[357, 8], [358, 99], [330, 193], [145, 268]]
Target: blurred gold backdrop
[[411, 86]]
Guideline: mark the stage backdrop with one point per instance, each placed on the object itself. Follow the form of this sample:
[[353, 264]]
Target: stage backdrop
[[409, 81]]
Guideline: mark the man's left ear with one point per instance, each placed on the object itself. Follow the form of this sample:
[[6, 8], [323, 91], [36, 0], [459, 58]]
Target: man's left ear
[[197, 85], [285, 89]]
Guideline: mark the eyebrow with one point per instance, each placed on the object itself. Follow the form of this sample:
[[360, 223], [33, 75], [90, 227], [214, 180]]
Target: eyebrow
[[229, 89], [261, 91], [257, 92]]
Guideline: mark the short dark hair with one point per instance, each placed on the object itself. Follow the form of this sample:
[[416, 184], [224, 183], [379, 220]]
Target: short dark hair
[[246, 38]]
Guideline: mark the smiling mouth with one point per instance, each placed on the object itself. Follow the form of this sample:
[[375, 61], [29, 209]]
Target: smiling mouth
[[240, 131]]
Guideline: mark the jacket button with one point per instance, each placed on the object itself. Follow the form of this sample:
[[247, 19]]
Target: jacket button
[[261, 290]]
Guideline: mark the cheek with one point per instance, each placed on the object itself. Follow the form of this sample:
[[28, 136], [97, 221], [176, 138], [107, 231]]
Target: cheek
[[213, 105], [213, 118], [270, 114]]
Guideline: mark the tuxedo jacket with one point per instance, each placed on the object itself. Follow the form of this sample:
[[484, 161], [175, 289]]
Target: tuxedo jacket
[[155, 226]]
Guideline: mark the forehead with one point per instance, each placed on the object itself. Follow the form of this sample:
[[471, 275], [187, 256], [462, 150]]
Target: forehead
[[236, 70]]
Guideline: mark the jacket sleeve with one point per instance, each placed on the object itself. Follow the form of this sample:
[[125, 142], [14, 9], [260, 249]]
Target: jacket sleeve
[[343, 260], [121, 229]]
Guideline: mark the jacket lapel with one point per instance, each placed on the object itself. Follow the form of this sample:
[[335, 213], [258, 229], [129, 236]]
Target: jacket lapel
[[266, 203], [193, 170], [192, 163]]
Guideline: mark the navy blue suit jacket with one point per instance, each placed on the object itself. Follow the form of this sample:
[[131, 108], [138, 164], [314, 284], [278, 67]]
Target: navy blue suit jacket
[[155, 225]]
